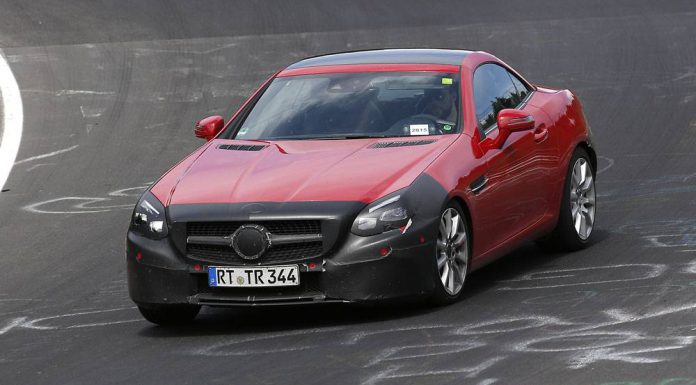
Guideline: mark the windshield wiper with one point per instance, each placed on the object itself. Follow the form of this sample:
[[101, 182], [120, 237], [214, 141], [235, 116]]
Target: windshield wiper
[[348, 137], [337, 137]]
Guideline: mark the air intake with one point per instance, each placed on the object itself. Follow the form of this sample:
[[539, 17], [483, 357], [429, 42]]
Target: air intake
[[402, 144], [242, 147]]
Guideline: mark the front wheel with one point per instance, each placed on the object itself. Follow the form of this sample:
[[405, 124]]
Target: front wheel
[[451, 255], [577, 217], [168, 315]]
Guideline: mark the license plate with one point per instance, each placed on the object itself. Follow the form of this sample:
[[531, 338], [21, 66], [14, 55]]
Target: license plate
[[244, 276]]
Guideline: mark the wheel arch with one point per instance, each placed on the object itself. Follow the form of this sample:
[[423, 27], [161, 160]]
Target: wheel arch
[[590, 151], [467, 215]]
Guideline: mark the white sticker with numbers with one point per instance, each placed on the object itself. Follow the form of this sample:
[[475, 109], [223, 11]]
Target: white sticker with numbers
[[419, 129]]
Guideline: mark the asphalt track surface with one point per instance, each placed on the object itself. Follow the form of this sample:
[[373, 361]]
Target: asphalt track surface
[[110, 93]]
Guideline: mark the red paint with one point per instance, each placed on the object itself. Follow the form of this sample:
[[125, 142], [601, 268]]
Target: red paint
[[164, 187], [369, 68], [524, 174], [209, 127], [304, 170], [524, 168]]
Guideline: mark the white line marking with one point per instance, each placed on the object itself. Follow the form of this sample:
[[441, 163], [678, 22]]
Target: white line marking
[[13, 324], [80, 208], [690, 267], [430, 349], [83, 92], [394, 372], [47, 155], [39, 165], [13, 119], [610, 162], [656, 270], [91, 112], [26, 323], [104, 323]]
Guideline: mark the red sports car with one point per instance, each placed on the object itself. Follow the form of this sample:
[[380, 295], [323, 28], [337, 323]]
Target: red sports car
[[362, 176]]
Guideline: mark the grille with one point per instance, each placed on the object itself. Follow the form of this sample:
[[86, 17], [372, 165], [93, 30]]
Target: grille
[[276, 254], [242, 147], [402, 144], [221, 229]]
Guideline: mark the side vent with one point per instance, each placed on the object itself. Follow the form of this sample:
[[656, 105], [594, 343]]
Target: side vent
[[242, 147], [402, 144]]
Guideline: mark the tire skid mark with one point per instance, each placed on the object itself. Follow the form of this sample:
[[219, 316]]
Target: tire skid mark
[[88, 205], [34, 323], [544, 279], [47, 155]]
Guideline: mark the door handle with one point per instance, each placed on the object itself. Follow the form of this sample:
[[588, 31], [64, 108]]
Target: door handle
[[541, 133]]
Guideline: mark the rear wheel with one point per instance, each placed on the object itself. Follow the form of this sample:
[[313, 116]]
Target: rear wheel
[[451, 255], [167, 315], [577, 217]]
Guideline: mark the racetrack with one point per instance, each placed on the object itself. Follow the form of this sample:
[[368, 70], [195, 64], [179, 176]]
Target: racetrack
[[111, 90]]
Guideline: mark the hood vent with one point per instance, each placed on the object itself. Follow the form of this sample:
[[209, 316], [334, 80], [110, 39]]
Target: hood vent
[[242, 147], [402, 144]]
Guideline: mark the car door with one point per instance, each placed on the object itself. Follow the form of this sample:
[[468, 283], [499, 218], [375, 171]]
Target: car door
[[516, 193]]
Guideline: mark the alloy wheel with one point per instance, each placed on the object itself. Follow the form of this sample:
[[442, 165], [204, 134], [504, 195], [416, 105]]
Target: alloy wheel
[[452, 251], [582, 198]]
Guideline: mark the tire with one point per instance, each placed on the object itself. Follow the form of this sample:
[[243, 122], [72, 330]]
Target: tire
[[452, 255], [168, 315], [576, 219]]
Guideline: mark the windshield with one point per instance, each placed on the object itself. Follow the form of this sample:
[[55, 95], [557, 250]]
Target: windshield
[[354, 105]]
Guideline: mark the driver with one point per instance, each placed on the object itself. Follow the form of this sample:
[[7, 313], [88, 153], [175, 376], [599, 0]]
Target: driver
[[440, 103]]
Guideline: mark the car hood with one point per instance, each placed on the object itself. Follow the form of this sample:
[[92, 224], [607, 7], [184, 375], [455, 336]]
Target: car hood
[[303, 170]]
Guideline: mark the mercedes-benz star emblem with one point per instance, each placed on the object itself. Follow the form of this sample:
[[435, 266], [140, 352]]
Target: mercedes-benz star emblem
[[251, 241]]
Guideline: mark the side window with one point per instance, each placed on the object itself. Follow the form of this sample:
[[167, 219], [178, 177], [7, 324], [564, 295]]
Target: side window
[[522, 90], [494, 90]]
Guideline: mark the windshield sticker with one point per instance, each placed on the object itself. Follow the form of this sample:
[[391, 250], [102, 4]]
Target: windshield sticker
[[447, 81], [419, 129], [446, 127], [243, 131]]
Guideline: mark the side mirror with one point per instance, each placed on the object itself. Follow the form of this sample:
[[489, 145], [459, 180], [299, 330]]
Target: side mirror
[[209, 127], [509, 121], [514, 120]]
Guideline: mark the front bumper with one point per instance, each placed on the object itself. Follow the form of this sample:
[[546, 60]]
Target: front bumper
[[158, 273], [349, 268]]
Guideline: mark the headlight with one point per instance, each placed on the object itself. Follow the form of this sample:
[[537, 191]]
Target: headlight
[[383, 215], [149, 218]]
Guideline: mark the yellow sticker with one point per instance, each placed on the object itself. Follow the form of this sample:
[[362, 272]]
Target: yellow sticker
[[446, 80]]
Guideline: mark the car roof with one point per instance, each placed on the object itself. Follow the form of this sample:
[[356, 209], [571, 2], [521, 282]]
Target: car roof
[[386, 56]]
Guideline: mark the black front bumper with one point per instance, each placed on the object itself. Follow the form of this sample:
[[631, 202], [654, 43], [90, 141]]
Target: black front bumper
[[351, 270], [355, 272]]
